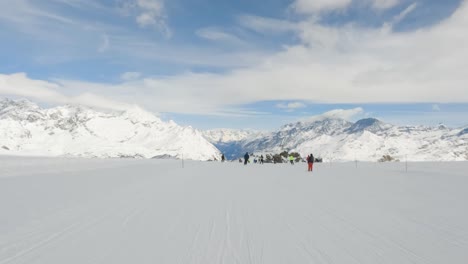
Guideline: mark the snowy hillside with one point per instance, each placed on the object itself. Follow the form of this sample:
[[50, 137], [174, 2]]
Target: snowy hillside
[[75, 211], [366, 140], [26, 129], [230, 141], [230, 135]]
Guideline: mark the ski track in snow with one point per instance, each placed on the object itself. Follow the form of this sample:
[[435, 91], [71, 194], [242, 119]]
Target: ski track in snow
[[154, 211]]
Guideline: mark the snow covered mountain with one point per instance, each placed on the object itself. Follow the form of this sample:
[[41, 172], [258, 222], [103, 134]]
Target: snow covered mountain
[[230, 135], [231, 140], [27, 129], [366, 140]]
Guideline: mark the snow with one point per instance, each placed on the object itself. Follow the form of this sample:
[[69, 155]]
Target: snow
[[366, 140], [28, 130], [231, 135], [67, 210]]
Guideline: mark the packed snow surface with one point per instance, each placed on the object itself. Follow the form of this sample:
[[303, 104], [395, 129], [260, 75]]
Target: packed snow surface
[[58, 210]]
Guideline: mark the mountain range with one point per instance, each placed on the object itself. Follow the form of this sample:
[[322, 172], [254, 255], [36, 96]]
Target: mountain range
[[335, 139], [27, 129]]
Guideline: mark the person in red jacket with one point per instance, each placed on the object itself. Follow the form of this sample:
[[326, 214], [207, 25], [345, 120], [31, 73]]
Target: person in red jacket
[[310, 162]]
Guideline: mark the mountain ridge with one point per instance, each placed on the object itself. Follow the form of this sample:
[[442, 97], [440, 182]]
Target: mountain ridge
[[367, 139], [27, 129]]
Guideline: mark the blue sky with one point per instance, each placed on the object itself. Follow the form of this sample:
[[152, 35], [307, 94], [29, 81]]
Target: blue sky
[[242, 64]]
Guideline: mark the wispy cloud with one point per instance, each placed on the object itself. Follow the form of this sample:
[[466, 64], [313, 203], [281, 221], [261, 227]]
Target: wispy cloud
[[48, 29], [149, 13], [267, 25], [346, 114], [291, 106], [25, 15], [47, 26], [384, 4], [130, 76], [81, 4], [316, 6], [217, 34], [328, 64], [405, 13], [44, 91], [239, 112], [145, 50]]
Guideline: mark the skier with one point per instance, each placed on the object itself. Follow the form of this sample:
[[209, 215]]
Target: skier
[[246, 158], [310, 162], [222, 158], [261, 159], [291, 159]]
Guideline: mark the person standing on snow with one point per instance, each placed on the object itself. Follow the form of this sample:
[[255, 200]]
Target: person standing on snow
[[291, 159], [310, 162], [222, 158], [261, 159], [246, 158]]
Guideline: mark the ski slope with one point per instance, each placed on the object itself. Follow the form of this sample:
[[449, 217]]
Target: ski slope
[[57, 210]]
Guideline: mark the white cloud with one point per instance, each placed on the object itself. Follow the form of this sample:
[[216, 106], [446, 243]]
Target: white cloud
[[316, 6], [83, 4], [388, 26], [384, 4], [149, 13], [216, 34], [404, 13], [45, 26], [291, 106], [346, 114], [153, 6], [330, 64], [147, 52], [24, 10], [130, 76], [20, 85], [267, 25], [146, 19], [45, 30], [152, 14], [27, 17]]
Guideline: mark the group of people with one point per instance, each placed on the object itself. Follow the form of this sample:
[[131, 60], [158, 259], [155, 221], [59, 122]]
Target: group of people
[[247, 157], [310, 160]]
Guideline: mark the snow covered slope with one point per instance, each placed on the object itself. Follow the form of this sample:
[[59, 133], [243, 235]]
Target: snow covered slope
[[366, 140], [77, 211], [26, 129]]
